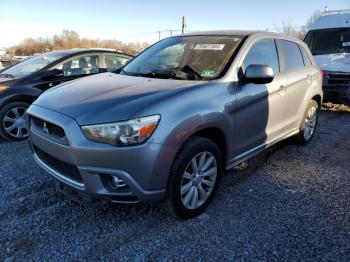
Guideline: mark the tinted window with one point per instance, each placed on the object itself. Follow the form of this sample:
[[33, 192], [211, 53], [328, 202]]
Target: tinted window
[[292, 55], [263, 52], [307, 60], [81, 65], [114, 62]]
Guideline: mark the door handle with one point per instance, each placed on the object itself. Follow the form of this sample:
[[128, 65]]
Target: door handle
[[308, 79], [281, 89]]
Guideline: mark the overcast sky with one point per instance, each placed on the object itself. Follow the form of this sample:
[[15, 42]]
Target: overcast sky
[[138, 20]]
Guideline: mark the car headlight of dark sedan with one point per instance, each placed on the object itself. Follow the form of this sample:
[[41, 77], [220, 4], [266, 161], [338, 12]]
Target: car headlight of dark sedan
[[131, 132], [2, 88]]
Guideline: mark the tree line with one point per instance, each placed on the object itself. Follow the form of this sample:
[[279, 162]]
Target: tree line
[[71, 39]]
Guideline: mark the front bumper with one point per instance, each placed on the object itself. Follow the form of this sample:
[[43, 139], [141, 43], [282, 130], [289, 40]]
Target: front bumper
[[87, 166], [336, 87]]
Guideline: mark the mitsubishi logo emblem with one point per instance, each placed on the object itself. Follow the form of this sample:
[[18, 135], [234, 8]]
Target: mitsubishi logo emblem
[[45, 129]]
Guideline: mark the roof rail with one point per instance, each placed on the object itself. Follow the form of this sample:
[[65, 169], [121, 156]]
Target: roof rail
[[329, 12]]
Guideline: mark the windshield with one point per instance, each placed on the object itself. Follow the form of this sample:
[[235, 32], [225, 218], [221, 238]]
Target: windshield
[[185, 58], [32, 65], [329, 41]]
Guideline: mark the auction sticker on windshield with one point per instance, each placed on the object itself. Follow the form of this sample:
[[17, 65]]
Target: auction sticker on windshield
[[209, 47]]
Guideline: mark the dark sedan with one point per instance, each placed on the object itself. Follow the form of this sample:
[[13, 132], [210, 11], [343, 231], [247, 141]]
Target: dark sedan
[[22, 83]]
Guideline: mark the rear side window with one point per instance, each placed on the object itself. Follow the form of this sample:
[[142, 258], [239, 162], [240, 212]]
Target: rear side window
[[114, 62], [292, 55], [307, 60], [263, 52]]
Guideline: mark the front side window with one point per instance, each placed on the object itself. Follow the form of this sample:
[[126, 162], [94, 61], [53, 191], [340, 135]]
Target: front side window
[[114, 62], [263, 52], [185, 58], [32, 65], [292, 55], [81, 65], [329, 41]]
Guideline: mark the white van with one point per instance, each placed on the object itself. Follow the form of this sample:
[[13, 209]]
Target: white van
[[329, 42]]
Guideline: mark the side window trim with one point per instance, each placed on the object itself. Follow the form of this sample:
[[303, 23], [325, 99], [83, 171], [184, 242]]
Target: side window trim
[[278, 57]]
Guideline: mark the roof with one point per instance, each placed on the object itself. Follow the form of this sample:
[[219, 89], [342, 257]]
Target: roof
[[223, 32], [332, 20], [88, 50]]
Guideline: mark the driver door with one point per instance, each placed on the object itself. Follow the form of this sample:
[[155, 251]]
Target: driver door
[[260, 113]]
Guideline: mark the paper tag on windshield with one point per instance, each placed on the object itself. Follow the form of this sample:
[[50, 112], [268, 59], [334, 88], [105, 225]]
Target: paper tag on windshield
[[346, 43], [209, 47]]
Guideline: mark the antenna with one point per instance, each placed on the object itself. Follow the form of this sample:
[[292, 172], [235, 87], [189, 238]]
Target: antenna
[[183, 25]]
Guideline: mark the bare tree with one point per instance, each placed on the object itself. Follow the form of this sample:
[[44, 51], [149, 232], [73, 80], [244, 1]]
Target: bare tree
[[288, 28]]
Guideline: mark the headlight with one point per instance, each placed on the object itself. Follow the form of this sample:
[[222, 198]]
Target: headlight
[[2, 88], [126, 133]]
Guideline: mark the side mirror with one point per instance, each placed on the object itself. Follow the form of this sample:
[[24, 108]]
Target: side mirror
[[49, 74], [258, 74]]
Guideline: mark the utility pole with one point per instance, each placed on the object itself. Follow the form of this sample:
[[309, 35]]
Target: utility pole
[[183, 25], [159, 34]]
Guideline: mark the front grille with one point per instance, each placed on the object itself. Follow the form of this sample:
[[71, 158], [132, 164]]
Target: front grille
[[52, 129], [338, 80], [60, 167]]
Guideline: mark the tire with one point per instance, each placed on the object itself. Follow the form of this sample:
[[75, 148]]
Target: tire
[[201, 185], [12, 119], [309, 124]]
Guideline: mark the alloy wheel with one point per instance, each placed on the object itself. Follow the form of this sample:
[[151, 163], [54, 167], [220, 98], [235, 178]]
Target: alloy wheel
[[198, 180], [310, 123]]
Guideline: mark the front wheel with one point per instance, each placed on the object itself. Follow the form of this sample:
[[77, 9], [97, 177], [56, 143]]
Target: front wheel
[[194, 178], [13, 121], [309, 123]]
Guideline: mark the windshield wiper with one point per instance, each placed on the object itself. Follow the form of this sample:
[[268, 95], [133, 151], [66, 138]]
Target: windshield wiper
[[162, 75]]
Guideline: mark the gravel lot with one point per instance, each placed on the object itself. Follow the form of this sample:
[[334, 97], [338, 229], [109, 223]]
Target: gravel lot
[[289, 203]]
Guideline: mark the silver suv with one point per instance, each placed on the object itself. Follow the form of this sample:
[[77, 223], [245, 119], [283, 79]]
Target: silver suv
[[176, 117]]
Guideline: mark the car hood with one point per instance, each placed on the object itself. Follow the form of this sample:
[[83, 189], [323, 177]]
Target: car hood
[[334, 62], [108, 97]]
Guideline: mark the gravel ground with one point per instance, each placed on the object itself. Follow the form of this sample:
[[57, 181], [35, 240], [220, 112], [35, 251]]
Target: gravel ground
[[289, 203]]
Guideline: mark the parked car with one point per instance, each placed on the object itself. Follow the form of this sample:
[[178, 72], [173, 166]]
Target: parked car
[[329, 41], [21, 84], [176, 117], [7, 62]]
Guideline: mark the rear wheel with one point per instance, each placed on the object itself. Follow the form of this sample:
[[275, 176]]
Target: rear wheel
[[194, 178], [309, 123], [13, 121]]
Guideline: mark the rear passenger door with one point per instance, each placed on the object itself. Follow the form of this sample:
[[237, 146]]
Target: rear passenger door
[[299, 81]]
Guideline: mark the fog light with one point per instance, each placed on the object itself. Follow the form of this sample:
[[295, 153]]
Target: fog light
[[117, 183]]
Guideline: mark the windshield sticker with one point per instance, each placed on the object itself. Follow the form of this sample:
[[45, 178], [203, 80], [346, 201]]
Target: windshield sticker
[[209, 47], [207, 73], [346, 43]]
